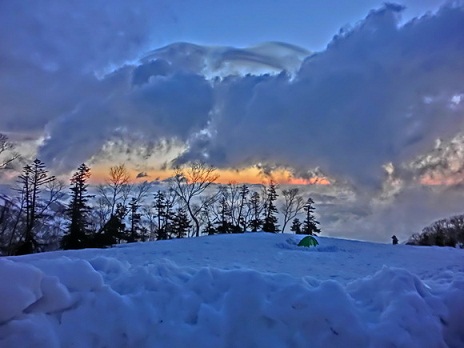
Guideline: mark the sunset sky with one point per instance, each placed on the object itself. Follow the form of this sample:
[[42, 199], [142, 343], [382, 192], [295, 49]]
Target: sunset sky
[[365, 95]]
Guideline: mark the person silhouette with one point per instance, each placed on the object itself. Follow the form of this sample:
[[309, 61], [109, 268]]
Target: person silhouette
[[394, 240]]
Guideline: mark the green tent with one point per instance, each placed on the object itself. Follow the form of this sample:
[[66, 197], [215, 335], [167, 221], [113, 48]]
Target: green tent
[[308, 241]]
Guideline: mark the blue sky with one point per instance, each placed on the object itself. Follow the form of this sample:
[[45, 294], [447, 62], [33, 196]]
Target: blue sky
[[310, 24]]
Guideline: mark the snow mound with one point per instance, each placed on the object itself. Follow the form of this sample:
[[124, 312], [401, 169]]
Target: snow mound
[[64, 300]]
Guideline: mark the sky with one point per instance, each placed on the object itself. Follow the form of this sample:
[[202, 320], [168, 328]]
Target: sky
[[367, 95]]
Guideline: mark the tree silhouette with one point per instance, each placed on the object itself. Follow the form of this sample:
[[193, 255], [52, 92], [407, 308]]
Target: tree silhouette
[[270, 209], [291, 206], [33, 179], [310, 223], [78, 210], [190, 182]]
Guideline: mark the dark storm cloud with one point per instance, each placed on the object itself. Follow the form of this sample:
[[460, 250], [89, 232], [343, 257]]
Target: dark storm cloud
[[378, 93], [172, 107], [50, 50], [357, 105]]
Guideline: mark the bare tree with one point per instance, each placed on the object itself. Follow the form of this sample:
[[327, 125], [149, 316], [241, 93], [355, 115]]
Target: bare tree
[[7, 153], [33, 180], [293, 203], [188, 183], [140, 191], [116, 188], [207, 215]]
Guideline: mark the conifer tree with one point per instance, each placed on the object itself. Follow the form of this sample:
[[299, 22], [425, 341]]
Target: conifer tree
[[113, 230], [255, 207], [136, 232], [243, 194], [296, 226], [270, 209], [77, 236], [181, 223], [163, 206], [223, 212], [310, 223]]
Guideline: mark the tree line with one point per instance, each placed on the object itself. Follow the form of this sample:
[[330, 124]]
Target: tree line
[[36, 219], [444, 232]]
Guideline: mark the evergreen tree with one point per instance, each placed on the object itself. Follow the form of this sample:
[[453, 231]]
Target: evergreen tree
[[136, 232], [296, 226], [181, 223], [310, 223], [164, 214], [270, 209], [224, 216], [255, 206], [209, 228], [113, 230], [206, 219], [78, 211], [243, 194]]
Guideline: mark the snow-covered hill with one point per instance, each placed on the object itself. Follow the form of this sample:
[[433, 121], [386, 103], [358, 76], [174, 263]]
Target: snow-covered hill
[[247, 290]]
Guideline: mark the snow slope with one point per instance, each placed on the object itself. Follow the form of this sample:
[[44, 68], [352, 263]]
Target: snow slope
[[248, 290]]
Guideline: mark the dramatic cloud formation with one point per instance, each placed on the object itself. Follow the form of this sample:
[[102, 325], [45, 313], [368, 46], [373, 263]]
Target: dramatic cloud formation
[[379, 93]]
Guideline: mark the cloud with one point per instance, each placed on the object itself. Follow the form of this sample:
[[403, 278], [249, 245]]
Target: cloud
[[379, 93], [352, 108], [142, 175]]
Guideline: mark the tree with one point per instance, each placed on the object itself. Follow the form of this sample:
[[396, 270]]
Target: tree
[[255, 208], [116, 193], [296, 226], [10, 221], [78, 211], [181, 223], [33, 179], [115, 190], [223, 211], [444, 232], [310, 223], [163, 213], [291, 206], [190, 182], [113, 230], [270, 220], [137, 232], [243, 197], [206, 215], [7, 154]]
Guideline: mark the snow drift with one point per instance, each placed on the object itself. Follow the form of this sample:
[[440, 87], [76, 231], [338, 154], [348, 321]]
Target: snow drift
[[251, 290]]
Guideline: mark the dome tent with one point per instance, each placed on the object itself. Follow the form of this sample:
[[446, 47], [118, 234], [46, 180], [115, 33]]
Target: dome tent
[[308, 242]]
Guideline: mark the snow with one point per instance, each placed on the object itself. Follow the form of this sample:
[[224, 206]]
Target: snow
[[245, 290]]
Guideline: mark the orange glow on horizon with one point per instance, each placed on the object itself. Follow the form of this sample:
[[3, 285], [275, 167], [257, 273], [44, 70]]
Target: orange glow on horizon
[[250, 175]]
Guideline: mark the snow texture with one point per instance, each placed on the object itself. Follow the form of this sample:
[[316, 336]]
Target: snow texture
[[250, 290]]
